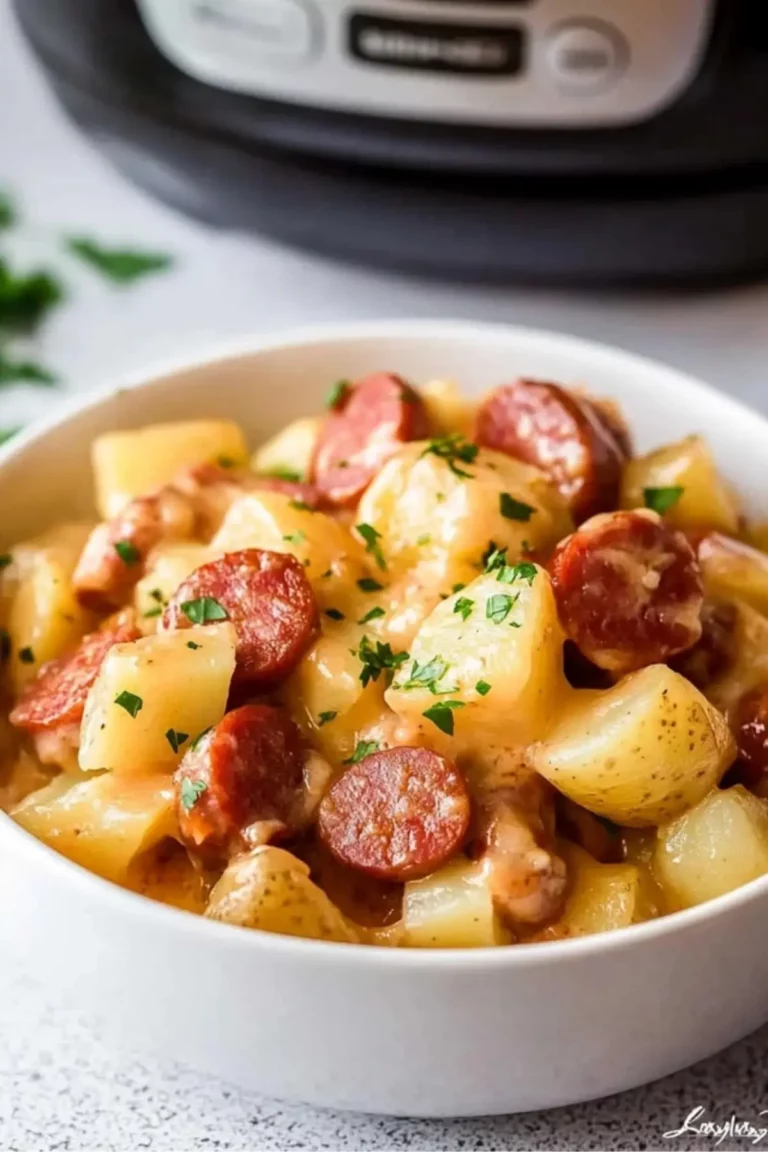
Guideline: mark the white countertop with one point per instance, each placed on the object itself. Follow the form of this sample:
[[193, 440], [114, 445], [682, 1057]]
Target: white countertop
[[58, 1087]]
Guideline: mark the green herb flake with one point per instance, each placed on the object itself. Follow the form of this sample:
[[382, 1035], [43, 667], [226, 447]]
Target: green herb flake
[[338, 394], [285, 474], [24, 372], [376, 660], [509, 573], [512, 509], [8, 213], [482, 687], [662, 499], [26, 300], [441, 714], [226, 461], [26, 655], [128, 553], [5, 560], [457, 588], [452, 449], [423, 540], [156, 611], [463, 607], [203, 610], [498, 607], [176, 739], [373, 614], [131, 703], [325, 718], [191, 644], [8, 433], [120, 265], [200, 736], [371, 538], [369, 585], [427, 675], [363, 748], [295, 538], [157, 595], [334, 614], [300, 506], [190, 792]]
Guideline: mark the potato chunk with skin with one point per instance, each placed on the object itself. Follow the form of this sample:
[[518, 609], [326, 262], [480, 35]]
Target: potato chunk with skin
[[640, 752], [103, 822], [135, 462], [705, 502], [270, 889], [748, 664], [601, 897], [168, 567], [717, 846], [174, 682], [495, 649], [734, 570], [447, 410], [425, 512], [452, 908], [289, 452]]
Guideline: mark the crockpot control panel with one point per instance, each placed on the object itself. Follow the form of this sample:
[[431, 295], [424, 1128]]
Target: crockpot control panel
[[514, 63]]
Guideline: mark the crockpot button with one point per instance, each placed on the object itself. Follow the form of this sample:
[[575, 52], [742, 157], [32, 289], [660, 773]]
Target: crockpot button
[[264, 27], [586, 57]]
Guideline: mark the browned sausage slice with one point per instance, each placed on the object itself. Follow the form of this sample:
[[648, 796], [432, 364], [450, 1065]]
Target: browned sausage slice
[[628, 590], [397, 814], [750, 727], [563, 434], [269, 600], [240, 783], [714, 653], [372, 420]]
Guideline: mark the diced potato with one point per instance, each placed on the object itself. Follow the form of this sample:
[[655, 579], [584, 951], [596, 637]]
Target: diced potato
[[639, 753], [510, 641], [452, 908], [45, 618], [717, 846], [102, 822], [749, 666], [601, 897], [169, 565], [173, 680], [757, 535], [134, 462], [334, 561], [270, 889], [424, 511], [290, 451], [20, 777], [734, 570], [706, 500], [166, 874], [448, 411]]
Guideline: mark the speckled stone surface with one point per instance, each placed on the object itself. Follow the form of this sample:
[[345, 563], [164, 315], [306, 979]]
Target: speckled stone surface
[[60, 1088]]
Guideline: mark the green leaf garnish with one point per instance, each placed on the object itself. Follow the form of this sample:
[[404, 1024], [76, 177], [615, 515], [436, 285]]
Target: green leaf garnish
[[452, 448], [191, 644], [284, 474], [8, 213], [120, 265], [295, 538], [662, 499], [463, 607], [482, 687], [509, 573], [371, 538], [24, 372], [498, 607], [156, 611], [25, 300], [513, 509], [5, 560], [128, 553], [131, 703], [176, 739], [425, 539], [363, 748], [376, 660], [203, 610], [325, 718], [195, 743], [338, 394], [373, 614], [226, 461], [190, 792], [26, 655], [300, 506], [369, 585], [8, 433], [427, 675], [441, 714], [334, 613]]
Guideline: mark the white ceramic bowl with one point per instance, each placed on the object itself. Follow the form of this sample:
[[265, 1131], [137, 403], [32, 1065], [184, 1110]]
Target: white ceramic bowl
[[417, 1033]]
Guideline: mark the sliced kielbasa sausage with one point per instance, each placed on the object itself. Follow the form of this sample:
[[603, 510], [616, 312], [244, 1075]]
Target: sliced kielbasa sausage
[[269, 600], [372, 420], [240, 783], [628, 590], [714, 653], [397, 814], [57, 696], [562, 434], [750, 728]]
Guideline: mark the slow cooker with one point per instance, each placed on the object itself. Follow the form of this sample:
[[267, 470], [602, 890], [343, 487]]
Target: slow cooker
[[585, 141]]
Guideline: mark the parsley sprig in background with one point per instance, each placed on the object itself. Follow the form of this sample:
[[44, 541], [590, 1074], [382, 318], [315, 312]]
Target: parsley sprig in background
[[28, 296]]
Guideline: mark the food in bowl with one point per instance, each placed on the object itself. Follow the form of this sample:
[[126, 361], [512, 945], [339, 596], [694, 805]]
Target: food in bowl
[[418, 673]]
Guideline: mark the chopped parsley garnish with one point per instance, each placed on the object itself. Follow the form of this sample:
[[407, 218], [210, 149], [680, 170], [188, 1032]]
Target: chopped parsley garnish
[[195, 743], [372, 537], [363, 748], [509, 573], [328, 572], [374, 614], [157, 595], [498, 607], [325, 718], [427, 675], [225, 461], [156, 611], [441, 714], [369, 585], [26, 655], [5, 560], [376, 659], [280, 473], [482, 687], [191, 791], [463, 607], [132, 704], [25, 300], [176, 739], [7, 433], [191, 644], [295, 538], [453, 448], [203, 610], [8, 212], [662, 499], [300, 506], [512, 509], [120, 265], [457, 587], [425, 539], [338, 394], [493, 557], [24, 372], [128, 553], [334, 613]]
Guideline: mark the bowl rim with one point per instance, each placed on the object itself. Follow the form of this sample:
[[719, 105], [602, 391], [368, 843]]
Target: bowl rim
[[169, 918]]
